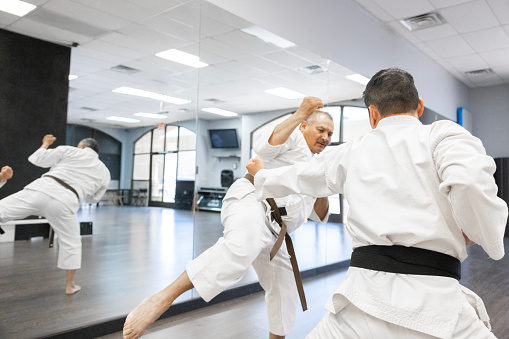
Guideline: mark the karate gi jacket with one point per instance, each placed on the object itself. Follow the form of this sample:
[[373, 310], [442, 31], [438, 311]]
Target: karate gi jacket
[[79, 168]]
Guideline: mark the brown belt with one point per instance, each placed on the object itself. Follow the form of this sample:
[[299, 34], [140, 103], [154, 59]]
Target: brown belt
[[289, 246], [63, 183]]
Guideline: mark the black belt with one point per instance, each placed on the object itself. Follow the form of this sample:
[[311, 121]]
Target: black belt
[[63, 183], [406, 260]]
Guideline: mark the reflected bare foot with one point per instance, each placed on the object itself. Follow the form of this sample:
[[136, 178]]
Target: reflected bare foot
[[142, 317], [73, 289]]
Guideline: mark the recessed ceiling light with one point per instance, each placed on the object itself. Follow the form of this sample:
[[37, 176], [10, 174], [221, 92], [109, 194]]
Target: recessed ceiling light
[[129, 120], [267, 36], [358, 78], [72, 77], [219, 111], [16, 7], [151, 115], [285, 93], [182, 58], [150, 95]]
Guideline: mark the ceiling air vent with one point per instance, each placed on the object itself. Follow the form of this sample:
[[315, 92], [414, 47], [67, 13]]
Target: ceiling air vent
[[124, 69], [423, 21], [90, 109], [313, 69], [479, 72], [215, 101]]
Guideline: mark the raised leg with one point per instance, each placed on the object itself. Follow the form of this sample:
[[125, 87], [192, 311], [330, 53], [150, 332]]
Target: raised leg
[[153, 307]]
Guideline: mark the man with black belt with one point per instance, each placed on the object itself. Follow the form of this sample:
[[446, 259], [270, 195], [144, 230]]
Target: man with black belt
[[417, 195], [249, 228], [76, 174]]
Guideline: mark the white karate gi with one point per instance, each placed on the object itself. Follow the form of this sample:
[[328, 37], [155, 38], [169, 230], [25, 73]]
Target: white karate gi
[[247, 239], [79, 168], [412, 185]]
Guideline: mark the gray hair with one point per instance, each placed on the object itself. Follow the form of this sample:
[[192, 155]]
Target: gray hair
[[310, 119], [90, 143]]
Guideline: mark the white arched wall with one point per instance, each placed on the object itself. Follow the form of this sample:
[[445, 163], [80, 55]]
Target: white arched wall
[[342, 31]]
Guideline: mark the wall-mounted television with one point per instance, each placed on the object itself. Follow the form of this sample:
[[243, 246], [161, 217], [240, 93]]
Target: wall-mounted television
[[224, 138]]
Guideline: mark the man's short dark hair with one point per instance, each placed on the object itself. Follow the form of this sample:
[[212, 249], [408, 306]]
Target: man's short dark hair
[[90, 143], [391, 91]]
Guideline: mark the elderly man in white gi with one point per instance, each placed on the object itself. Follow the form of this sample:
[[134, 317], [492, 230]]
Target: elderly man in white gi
[[76, 174], [247, 238], [417, 195]]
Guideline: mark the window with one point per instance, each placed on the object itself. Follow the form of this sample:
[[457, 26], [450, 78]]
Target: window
[[162, 157]]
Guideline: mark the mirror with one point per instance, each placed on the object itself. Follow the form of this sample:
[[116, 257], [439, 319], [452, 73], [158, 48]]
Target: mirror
[[243, 66]]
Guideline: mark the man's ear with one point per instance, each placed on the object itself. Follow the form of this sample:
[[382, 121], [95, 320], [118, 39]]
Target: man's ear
[[374, 116], [420, 107], [303, 125]]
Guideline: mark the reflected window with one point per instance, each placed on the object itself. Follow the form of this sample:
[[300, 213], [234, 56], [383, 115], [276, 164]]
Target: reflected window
[[163, 158], [355, 122]]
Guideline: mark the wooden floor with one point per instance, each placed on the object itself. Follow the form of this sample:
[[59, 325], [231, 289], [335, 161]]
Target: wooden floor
[[488, 278], [133, 253]]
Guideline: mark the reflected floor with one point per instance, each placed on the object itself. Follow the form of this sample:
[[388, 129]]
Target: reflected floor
[[133, 253]]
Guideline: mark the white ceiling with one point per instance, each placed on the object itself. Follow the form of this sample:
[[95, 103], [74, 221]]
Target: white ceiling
[[241, 67], [474, 37]]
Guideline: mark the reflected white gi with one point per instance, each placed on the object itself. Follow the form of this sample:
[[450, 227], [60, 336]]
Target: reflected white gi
[[413, 185], [247, 240], [82, 170]]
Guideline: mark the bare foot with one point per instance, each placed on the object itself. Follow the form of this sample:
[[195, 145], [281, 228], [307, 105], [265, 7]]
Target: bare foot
[[73, 289], [142, 317]]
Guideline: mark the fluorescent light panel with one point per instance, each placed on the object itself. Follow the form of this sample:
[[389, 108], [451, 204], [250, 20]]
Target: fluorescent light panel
[[151, 95], [16, 7], [129, 120], [182, 58], [72, 77], [267, 36], [219, 111], [358, 78], [151, 115], [285, 93]]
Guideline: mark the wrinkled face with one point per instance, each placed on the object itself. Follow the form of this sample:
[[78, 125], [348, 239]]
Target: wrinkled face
[[318, 132]]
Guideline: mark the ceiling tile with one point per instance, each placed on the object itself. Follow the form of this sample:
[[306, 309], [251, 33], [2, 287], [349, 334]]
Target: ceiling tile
[[168, 26], [7, 19], [447, 3], [468, 63], [48, 33], [503, 72], [496, 58], [437, 32], [157, 5], [120, 8], [450, 47], [86, 14], [221, 49], [470, 17], [126, 41], [401, 9], [286, 59], [246, 43], [223, 16], [426, 49], [210, 27], [185, 14], [145, 33], [488, 39], [487, 80], [501, 10], [400, 29], [372, 7]]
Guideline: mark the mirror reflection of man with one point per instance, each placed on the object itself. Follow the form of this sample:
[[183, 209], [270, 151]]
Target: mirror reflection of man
[[247, 239], [76, 175]]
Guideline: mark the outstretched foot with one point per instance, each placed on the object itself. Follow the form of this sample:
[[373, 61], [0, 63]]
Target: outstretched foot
[[73, 289], [142, 317]]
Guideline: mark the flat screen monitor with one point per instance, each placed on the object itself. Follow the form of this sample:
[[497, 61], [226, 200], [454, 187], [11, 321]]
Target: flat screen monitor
[[224, 138]]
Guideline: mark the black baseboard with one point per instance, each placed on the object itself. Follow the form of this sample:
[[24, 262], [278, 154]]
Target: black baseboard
[[109, 326]]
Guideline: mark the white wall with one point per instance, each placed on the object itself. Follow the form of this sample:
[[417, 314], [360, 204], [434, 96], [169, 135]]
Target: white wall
[[490, 109], [342, 31]]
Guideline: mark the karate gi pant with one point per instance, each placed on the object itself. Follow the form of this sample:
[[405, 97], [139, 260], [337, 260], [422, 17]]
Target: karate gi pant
[[61, 217], [353, 323], [247, 241]]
